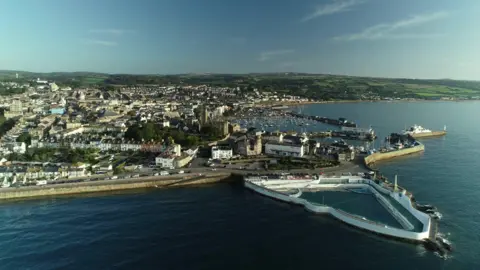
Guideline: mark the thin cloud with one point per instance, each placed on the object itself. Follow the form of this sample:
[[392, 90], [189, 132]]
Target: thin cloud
[[332, 8], [287, 64], [117, 32], [237, 40], [101, 42], [264, 56], [389, 30]]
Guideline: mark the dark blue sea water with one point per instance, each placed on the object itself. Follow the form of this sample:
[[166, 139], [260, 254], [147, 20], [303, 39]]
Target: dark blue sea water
[[227, 227]]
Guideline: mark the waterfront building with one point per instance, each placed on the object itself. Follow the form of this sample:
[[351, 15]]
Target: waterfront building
[[249, 146], [165, 161], [221, 152], [284, 149]]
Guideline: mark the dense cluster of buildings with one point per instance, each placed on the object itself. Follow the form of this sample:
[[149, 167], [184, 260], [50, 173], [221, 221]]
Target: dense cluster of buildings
[[279, 144], [59, 117]]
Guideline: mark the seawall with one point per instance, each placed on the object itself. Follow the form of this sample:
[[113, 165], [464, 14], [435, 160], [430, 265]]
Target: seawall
[[393, 154], [112, 185], [429, 134], [348, 218]]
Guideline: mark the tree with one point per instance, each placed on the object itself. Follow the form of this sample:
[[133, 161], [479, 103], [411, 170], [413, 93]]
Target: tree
[[191, 141], [26, 138], [170, 140]]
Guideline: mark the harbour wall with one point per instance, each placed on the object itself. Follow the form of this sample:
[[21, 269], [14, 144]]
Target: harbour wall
[[111, 185], [406, 202], [429, 134], [391, 209], [393, 154], [345, 217]]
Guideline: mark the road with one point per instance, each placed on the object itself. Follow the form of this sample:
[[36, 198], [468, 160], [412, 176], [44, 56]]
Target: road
[[198, 167]]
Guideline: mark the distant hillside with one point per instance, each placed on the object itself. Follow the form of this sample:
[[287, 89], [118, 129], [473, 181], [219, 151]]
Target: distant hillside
[[316, 86]]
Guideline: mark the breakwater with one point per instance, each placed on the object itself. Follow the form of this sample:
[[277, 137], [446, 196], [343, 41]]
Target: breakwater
[[325, 120], [354, 220], [429, 134], [379, 156], [112, 185]]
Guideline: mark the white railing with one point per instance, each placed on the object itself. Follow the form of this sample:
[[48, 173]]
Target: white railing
[[390, 208]]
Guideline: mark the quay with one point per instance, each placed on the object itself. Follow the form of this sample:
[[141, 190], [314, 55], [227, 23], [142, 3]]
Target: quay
[[429, 134], [381, 156], [347, 135], [418, 132], [325, 120], [198, 176], [397, 145]]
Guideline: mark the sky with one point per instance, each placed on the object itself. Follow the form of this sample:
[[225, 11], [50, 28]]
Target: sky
[[377, 38]]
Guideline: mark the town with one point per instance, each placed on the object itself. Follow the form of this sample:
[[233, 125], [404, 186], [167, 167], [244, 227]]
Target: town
[[52, 133]]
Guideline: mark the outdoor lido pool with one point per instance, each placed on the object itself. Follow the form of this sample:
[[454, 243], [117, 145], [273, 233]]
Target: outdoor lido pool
[[360, 204]]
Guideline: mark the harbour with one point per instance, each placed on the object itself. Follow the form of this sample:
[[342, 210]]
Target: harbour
[[441, 176]]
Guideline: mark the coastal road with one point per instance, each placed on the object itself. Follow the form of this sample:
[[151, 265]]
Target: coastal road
[[148, 173]]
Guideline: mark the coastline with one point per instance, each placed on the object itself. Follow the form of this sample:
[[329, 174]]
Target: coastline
[[301, 103], [112, 185]]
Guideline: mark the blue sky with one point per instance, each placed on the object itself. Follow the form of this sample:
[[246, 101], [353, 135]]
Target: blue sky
[[384, 38]]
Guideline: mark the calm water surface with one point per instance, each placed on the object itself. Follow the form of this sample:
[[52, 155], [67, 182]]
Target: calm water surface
[[227, 227]]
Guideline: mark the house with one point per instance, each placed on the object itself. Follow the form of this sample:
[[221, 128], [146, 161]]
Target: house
[[165, 161], [222, 152], [284, 149], [182, 160], [76, 172], [104, 166], [249, 146]]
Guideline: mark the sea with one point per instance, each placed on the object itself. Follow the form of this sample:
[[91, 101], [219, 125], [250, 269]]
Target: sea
[[225, 226]]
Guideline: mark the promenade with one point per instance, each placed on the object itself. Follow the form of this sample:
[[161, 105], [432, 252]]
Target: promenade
[[196, 176]]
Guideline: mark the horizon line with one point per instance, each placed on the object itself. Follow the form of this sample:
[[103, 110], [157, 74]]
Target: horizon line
[[242, 73]]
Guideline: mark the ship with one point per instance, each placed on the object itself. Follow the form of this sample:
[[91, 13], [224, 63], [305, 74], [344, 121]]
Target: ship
[[417, 131]]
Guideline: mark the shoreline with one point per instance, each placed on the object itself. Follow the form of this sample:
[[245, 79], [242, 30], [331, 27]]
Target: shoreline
[[192, 179], [90, 187], [177, 180], [301, 103]]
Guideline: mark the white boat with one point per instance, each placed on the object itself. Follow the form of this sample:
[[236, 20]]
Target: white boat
[[416, 129]]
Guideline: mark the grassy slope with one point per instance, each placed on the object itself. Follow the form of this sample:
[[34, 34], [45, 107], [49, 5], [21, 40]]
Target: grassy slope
[[332, 83]]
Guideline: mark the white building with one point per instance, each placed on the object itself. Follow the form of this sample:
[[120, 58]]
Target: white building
[[41, 81], [165, 123], [284, 149], [130, 146], [221, 152], [165, 161], [54, 87]]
